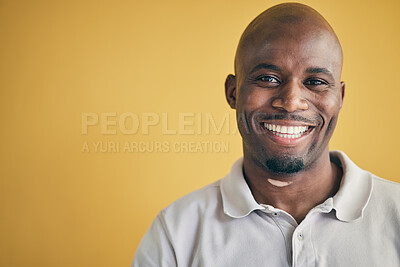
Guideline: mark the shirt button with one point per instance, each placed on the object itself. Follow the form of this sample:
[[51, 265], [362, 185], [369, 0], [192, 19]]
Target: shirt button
[[275, 213], [300, 236]]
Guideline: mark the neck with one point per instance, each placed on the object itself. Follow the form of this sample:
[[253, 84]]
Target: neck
[[295, 193]]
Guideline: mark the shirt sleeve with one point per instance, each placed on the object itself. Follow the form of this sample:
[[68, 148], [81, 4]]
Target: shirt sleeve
[[156, 248]]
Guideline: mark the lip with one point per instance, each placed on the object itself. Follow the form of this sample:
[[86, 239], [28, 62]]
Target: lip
[[294, 140], [288, 123]]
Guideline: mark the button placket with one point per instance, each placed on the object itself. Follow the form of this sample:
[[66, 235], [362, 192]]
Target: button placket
[[300, 235], [303, 252]]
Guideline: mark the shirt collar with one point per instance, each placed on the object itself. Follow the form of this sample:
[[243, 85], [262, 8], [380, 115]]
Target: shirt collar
[[237, 199], [349, 202], [355, 189]]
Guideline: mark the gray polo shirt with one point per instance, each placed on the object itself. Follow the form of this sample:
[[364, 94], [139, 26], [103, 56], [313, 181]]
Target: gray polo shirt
[[222, 225]]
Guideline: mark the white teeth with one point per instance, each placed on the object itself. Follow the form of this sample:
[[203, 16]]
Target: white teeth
[[286, 131]]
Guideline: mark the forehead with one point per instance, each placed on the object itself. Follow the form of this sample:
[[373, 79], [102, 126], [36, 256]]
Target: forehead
[[291, 48]]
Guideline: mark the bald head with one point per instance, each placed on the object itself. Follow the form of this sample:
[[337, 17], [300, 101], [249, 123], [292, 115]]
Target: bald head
[[287, 22]]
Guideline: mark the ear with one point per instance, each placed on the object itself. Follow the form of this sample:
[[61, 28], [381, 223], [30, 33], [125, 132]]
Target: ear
[[230, 90], [342, 92]]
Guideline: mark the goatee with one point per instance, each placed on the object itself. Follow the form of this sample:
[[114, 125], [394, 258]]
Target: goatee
[[285, 165]]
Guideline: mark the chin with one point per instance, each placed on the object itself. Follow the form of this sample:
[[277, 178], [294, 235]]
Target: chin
[[285, 165]]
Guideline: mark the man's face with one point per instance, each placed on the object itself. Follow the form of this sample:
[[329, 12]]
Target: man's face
[[288, 96]]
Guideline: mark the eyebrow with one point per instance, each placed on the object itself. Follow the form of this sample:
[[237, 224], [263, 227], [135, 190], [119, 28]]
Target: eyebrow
[[265, 66], [320, 70]]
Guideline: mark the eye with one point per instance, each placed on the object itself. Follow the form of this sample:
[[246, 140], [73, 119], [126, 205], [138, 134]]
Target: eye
[[268, 79], [316, 83]]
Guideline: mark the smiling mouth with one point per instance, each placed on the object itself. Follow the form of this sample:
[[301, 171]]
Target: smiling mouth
[[288, 132]]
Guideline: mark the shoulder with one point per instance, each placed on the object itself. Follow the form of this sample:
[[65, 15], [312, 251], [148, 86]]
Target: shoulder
[[173, 233], [385, 200], [383, 183], [385, 189], [194, 204], [359, 180]]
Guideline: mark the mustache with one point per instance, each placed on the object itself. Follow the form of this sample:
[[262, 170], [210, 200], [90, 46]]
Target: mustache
[[285, 116]]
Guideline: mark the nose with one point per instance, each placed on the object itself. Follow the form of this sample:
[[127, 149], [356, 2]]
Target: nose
[[289, 98]]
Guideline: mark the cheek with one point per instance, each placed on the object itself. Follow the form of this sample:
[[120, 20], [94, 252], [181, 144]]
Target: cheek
[[328, 105], [249, 101], [254, 98], [329, 108]]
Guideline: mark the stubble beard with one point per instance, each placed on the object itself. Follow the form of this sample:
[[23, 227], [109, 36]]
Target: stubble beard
[[285, 165], [288, 164]]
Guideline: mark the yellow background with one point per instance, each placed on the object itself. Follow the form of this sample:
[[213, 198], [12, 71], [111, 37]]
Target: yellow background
[[58, 59]]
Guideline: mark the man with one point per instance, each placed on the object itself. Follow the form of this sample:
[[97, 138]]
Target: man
[[289, 201]]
